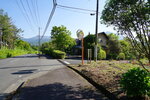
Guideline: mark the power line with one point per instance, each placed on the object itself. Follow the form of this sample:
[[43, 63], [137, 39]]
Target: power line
[[25, 16], [61, 6], [31, 12], [25, 10], [76, 8], [49, 20], [34, 10], [73, 10], [38, 15]]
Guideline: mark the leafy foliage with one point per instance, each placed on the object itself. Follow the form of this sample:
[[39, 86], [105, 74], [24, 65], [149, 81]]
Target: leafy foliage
[[9, 30], [132, 19], [89, 44], [101, 55], [58, 54], [127, 49], [136, 82], [22, 45], [61, 37], [113, 46], [6, 53], [121, 56], [48, 48]]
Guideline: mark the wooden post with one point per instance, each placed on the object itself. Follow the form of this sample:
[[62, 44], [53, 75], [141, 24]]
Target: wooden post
[[82, 51]]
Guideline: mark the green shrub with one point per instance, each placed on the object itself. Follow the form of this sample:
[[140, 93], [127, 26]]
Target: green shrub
[[9, 55], [58, 54], [121, 56], [101, 55], [136, 82]]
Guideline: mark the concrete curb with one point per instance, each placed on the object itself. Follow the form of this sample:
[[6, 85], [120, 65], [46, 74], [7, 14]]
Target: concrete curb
[[10, 95], [12, 90], [97, 86]]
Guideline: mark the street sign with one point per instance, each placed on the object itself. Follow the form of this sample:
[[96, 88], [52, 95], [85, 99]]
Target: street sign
[[80, 34]]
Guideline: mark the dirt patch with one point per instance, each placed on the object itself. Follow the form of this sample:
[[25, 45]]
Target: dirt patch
[[107, 74]]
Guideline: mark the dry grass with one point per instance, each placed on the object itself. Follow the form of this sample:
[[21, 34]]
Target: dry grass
[[107, 73]]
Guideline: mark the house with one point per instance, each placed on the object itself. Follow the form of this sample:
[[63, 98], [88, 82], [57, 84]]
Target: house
[[102, 40]]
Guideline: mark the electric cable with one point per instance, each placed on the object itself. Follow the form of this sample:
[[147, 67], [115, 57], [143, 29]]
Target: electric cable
[[49, 20]]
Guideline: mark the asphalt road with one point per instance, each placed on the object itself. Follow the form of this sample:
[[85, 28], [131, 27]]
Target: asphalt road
[[74, 60], [59, 84], [15, 70]]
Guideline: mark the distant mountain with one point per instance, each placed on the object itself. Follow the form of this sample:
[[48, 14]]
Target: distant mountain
[[35, 40]]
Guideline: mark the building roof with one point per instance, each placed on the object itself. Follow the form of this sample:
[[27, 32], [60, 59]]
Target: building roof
[[104, 34]]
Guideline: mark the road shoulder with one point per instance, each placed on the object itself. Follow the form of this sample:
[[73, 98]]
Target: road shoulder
[[59, 84]]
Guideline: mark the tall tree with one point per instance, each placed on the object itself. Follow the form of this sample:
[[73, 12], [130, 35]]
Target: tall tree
[[9, 30], [132, 19], [113, 46], [61, 37], [89, 42]]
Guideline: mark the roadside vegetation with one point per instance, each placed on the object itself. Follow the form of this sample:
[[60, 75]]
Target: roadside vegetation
[[61, 43], [123, 66], [6, 53], [125, 72], [124, 79], [10, 43]]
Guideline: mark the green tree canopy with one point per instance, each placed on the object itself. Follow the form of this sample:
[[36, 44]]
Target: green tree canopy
[[132, 19], [10, 33], [62, 39], [127, 49], [22, 45], [113, 46], [89, 42]]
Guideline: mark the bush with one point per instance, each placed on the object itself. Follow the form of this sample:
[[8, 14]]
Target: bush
[[101, 55], [136, 82], [121, 56], [58, 54], [47, 51], [9, 55]]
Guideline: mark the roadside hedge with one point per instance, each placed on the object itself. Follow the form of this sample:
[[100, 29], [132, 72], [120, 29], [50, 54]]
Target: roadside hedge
[[58, 54]]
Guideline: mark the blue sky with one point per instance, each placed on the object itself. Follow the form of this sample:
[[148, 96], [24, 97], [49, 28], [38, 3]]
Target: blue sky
[[72, 19]]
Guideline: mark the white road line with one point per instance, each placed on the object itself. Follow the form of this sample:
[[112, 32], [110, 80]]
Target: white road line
[[66, 62]]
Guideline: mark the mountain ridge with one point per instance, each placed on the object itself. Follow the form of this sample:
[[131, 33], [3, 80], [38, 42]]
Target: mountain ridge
[[35, 40]]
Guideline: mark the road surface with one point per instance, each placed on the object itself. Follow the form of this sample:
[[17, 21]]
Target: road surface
[[59, 84], [74, 60], [15, 70]]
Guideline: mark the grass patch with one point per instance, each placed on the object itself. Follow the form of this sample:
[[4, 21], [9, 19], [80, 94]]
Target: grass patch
[[108, 73], [6, 53]]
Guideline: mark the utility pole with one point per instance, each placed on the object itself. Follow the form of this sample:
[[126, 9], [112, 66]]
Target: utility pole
[[39, 42], [96, 32]]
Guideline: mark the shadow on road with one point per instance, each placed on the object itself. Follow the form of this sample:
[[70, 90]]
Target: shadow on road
[[3, 96], [59, 91], [34, 56], [31, 66], [76, 57], [25, 71], [26, 56]]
